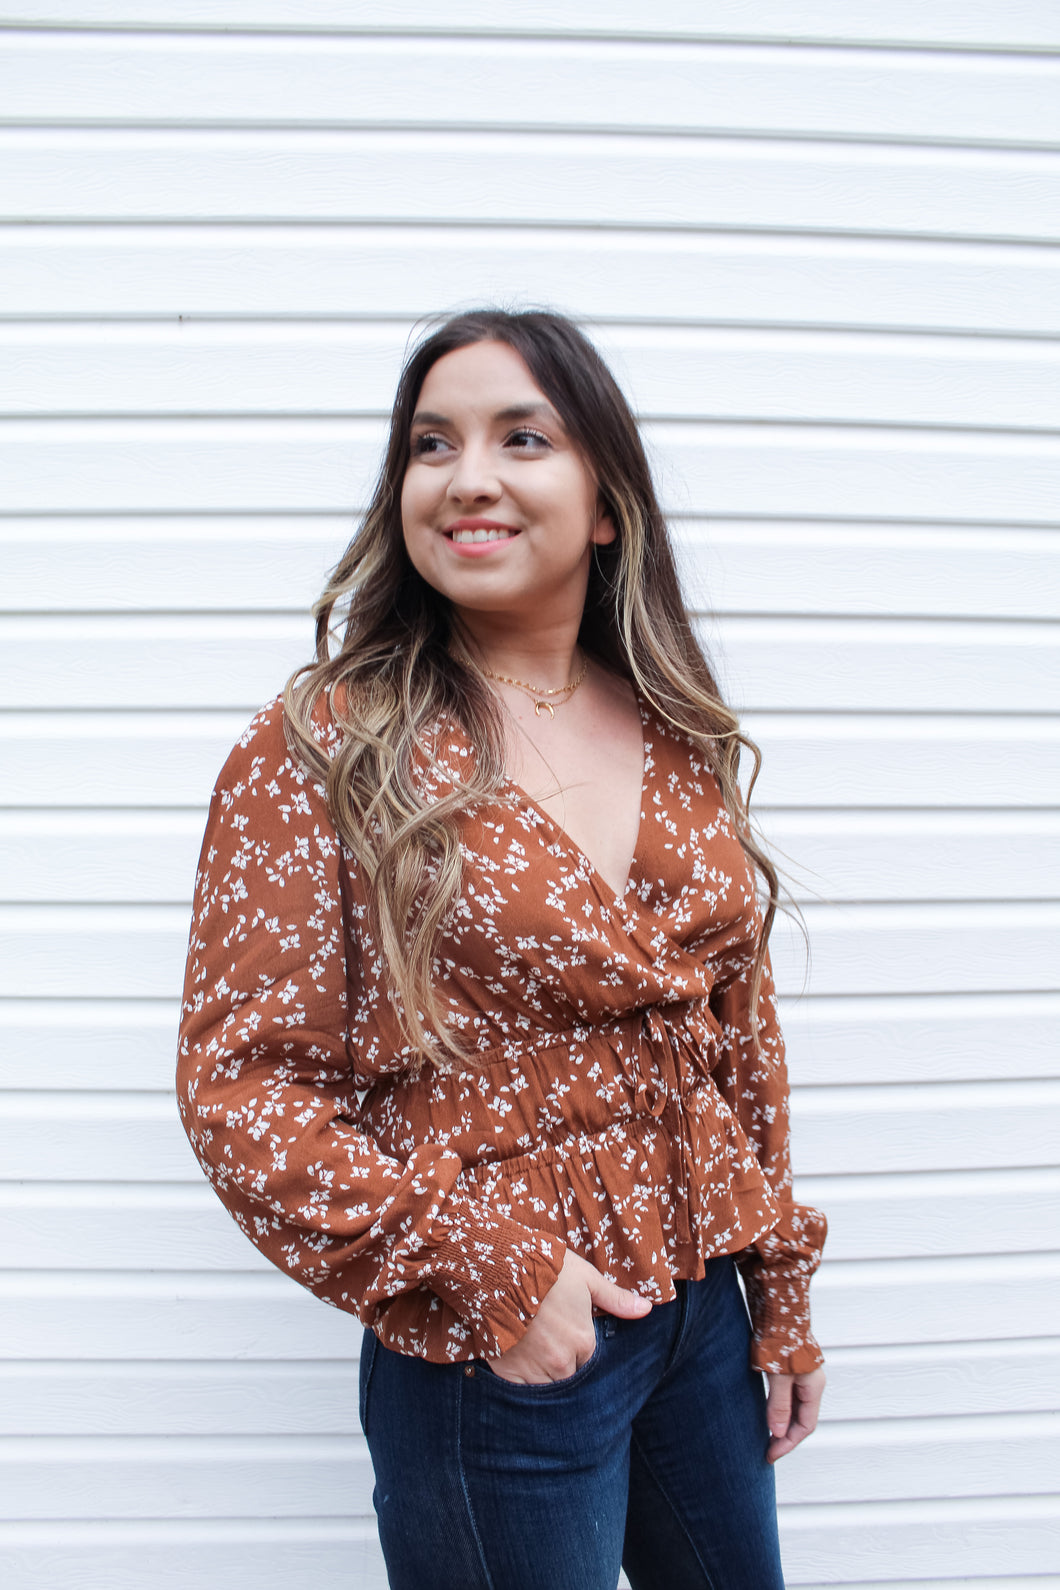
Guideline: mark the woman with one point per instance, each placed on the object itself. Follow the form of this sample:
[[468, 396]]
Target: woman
[[479, 1037]]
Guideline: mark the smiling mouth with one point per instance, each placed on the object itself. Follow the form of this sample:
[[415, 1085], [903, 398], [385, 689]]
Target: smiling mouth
[[467, 537]]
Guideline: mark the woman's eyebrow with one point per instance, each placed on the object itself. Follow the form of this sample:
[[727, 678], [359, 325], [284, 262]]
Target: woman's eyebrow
[[527, 411], [514, 411]]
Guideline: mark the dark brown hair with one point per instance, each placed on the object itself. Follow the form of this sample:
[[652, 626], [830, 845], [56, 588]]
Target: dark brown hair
[[391, 657]]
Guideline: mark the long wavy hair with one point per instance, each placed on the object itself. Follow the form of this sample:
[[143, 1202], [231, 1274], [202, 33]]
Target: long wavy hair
[[387, 668]]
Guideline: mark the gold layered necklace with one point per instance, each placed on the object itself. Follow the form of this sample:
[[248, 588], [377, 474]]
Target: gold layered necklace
[[544, 700]]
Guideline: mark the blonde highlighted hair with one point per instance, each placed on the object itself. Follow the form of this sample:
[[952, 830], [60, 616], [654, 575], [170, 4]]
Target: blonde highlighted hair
[[393, 674]]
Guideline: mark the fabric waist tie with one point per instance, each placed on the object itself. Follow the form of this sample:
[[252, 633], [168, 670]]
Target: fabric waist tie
[[671, 1066]]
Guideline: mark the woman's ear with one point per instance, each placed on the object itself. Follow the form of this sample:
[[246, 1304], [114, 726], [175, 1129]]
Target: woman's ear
[[604, 531]]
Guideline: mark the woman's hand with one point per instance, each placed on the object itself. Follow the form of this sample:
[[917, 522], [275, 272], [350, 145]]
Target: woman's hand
[[561, 1337], [792, 1405]]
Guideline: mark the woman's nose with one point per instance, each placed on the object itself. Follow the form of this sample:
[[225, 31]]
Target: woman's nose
[[474, 476]]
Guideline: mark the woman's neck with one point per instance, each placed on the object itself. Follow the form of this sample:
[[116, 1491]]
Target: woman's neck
[[546, 656]]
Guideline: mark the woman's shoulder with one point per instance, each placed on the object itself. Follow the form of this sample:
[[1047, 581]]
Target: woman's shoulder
[[266, 752], [689, 751]]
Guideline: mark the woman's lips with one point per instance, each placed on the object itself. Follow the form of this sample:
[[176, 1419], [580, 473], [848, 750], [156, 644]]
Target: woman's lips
[[479, 533], [474, 537]]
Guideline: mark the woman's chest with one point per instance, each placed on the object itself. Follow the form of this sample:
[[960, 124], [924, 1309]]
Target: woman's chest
[[583, 767], [539, 941], [534, 897]]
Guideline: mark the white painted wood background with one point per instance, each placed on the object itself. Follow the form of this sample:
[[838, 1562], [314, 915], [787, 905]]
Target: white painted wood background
[[819, 241]]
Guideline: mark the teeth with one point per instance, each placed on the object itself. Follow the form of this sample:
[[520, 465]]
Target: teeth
[[467, 536]]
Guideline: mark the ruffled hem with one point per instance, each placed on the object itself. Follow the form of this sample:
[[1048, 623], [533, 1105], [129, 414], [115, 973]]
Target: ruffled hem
[[616, 1198]]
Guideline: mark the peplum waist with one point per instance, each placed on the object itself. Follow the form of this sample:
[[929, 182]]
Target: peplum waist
[[613, 1138], [618, 1197], [533, 1090]]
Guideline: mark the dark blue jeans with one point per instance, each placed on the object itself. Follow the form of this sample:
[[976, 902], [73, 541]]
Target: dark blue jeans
[[651, 1456]]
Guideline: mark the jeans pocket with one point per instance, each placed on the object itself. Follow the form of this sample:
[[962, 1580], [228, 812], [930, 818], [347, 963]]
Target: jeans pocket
[[544, 1387]]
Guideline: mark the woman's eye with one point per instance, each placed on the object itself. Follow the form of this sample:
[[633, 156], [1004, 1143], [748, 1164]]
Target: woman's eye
[[524, 439], [426, 444]]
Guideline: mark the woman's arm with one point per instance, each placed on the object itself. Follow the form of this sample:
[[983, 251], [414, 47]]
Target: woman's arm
[[265, 1080], [776, 1270]]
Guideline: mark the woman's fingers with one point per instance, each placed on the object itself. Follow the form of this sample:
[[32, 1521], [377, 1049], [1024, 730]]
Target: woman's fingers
[[561, 1337], [610, 1298], [792, 1406], [778, 1405]]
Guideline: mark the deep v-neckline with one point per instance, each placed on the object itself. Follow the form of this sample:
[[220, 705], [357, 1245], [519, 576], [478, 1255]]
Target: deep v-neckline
[[570, 843]]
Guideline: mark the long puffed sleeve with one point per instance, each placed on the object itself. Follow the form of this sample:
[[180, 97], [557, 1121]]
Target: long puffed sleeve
[[267, 1094], [776, 1270]]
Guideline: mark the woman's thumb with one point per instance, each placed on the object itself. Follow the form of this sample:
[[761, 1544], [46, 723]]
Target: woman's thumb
[[610, 1298]]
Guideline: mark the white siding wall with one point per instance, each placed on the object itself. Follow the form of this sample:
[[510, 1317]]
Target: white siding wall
[[819, 239]]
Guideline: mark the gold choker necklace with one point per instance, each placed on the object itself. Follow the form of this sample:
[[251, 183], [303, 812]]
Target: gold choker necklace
[[544, 700]]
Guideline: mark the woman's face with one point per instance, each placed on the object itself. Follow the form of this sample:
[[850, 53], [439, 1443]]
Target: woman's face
[[499, 510]]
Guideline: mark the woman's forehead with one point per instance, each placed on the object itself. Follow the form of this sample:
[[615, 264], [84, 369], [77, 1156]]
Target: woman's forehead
[[483, 376]]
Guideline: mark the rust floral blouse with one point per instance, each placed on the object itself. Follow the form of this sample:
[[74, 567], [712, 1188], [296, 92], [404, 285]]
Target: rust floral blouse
[[616, 1104]]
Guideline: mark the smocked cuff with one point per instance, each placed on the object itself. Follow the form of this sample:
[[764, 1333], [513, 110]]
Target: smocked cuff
[[778, 1299], [494, 1273], [775, 1356]]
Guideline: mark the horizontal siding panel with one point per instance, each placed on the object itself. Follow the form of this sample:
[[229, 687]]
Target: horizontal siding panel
[[906, 1540], [685, 87], [200, 1399], [769, 664], [276, 563], [319, 368], [788, 663], [233, 662], [903, 1215], [130, 1044], [143, 759], [184, 1477], [122, 1227], [292, 1555], [265, 465], [916, 856], [861, 1304], [858, 379], [85, 1225], [341, 367], [1039, 1582], [128, 759], [590, 179], [895, 1459], [191, 1316], [289, 1477], [739, 566], [99, 1136], [919, 950], [899, 761], [952, 1379], [129, 270], [89, 1043], [922, 1039], [280, 1554], [938, 1126], [238, 564], [138, 952], [1022, 24], [851, 856]]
